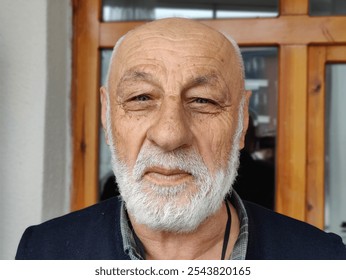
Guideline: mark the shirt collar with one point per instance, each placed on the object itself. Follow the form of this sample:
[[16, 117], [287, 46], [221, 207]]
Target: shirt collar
[[240, 246], [130, 246]]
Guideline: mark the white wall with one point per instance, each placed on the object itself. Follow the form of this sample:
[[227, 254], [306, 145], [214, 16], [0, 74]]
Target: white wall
[[35, 156]]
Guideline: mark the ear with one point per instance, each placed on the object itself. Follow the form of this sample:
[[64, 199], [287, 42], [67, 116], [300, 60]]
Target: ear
[[245, 118], [104, 105]]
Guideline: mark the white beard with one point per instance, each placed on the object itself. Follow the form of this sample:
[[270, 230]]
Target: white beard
[[179, 208]]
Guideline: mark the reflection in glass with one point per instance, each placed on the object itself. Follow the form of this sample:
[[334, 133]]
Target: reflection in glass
[[256, 174], [257, 169], [335, 150], [261, 78], [105, 169], [120, 10], [192, 13], [327, 7]]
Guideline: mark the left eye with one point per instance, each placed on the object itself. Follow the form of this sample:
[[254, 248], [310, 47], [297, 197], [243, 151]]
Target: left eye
[[204, 105], [202, 100]]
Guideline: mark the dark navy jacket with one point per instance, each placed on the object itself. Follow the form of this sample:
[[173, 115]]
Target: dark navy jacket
[[94, 233]]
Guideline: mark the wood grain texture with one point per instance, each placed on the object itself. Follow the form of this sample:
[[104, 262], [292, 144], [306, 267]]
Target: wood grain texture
[[336, 54], [315, 138], [301, 30], [318, 57], [291, 138], [294, 7], [85, 104]]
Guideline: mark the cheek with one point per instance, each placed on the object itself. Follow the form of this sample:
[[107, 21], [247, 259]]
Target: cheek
[[129, 135], [221, 147], [214, 140]]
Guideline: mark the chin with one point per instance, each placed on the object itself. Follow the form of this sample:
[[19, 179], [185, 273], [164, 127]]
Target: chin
[[180, 209]]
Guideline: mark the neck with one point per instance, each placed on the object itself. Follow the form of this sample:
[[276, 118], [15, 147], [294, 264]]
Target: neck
[[203, 243]]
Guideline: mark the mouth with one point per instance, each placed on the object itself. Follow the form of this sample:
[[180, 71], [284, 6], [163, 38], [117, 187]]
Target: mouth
[[167, 177]]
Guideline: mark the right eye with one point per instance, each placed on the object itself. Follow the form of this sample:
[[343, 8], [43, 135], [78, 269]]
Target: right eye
[[140, 102], [142, 97]]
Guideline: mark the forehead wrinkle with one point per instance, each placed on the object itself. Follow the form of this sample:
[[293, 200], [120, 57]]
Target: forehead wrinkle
[[202, 79], [139, 73], [136, 75], [212, 79]]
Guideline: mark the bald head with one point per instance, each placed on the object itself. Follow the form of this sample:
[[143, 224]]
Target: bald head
[[179, 31]]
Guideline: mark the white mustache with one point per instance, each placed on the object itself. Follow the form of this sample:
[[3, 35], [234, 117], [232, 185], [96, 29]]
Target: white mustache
[[186, 160]]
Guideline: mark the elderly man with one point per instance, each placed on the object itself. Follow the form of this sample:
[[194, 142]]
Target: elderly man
[[175, 114]]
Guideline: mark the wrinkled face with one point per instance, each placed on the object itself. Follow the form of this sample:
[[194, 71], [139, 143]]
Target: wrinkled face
[[174, 103]]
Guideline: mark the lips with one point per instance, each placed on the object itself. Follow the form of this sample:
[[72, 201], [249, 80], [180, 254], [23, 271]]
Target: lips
[[166, 176]]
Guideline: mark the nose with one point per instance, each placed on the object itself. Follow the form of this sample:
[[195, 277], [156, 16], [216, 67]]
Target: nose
[[171, 129]]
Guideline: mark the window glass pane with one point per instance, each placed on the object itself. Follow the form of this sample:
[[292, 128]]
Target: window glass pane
[[257, 162], [182, 12], [105, 169], [335, 149], [327, 7], [256, 175], [119, 10]]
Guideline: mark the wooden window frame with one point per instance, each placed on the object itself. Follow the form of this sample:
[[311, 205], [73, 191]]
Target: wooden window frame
[[319, 56], [293, 31]]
